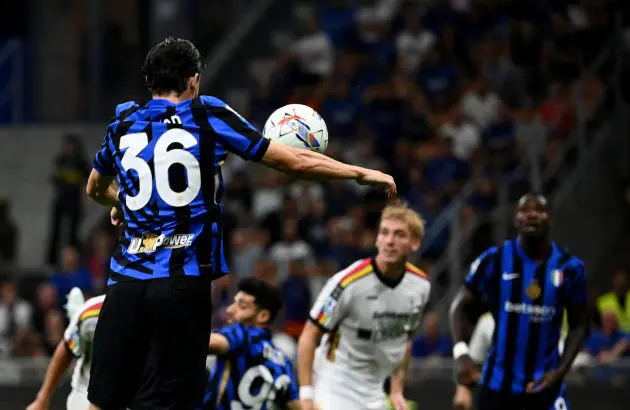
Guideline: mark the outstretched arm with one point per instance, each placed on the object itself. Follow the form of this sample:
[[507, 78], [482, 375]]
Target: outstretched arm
[[56, 369]]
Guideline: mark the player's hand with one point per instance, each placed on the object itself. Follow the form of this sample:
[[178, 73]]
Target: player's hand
[[463, 399], [547, 380], [117, 217], [307, 405], [380, 180], [398, 401], [466, 371], [38, 405]]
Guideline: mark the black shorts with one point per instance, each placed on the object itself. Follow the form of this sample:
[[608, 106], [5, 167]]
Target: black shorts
[[150, 345], [552, 398]]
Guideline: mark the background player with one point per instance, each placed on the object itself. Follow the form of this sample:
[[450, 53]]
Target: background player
[[166, 158], [368, 312], [77, 343], [250, 372], [527, 283]]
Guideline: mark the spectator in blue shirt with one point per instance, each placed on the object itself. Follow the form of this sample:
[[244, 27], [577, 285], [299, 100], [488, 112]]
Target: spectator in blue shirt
[[438, 79], [72, 273], [609, 343], [431, 343]]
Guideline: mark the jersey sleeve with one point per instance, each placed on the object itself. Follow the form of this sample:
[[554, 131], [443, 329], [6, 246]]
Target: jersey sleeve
[[238, 135], [104, 160], [480, 271], [237, 337], [576, 287], [72, 336], [481, 338], [331, 304], [293, 392]]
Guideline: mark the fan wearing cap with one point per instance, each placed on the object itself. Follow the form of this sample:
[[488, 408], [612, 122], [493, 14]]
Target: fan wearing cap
[[527, 282]]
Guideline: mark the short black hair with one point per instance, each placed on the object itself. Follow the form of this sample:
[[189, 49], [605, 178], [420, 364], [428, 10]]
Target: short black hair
[[169, 64], [266, 295]]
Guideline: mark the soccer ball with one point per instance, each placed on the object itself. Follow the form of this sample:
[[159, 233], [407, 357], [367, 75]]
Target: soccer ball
[[298, 126]]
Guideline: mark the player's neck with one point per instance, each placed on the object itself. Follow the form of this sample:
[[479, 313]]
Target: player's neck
[[537, 248], [391, 271], [173, 97]]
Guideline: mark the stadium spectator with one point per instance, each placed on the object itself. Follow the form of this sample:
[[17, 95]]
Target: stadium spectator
[[296, 293], [480, 105], [610, 343], [70, 171], [290, 248], [71, 273], [98, 262], [248, 246], [8, 234], [15, 316], [618, 299], [431, 343], [46, 301], [464, 134], [412, 44]]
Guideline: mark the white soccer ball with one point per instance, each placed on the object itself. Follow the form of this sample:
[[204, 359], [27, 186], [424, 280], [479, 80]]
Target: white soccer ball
[[298, 126]]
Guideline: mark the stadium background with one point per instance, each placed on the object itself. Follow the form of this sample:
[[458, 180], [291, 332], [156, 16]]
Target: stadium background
[[468, 103]]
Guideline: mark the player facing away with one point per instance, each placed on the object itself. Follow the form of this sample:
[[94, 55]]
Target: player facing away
[[250, 372], [77, 343], [366, 314], [527, 282], [165, 158]]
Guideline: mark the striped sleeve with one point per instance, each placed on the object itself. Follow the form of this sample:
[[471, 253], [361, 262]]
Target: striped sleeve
[[238, 135], [576, 283], [293, 390], [480, 271], [72, 336], [333, 301], [237, 337], [104, 160]]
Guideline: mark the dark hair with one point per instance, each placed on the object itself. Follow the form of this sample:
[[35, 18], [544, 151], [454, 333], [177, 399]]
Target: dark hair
[[169, 65], [266, 296]]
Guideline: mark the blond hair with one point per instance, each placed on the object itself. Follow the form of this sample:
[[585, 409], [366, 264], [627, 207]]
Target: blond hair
[[401, 211]]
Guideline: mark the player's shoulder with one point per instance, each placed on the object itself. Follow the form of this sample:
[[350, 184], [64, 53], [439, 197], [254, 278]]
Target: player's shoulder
[[413, 271], [211, 101], [354, 273], [124, 110], [91, 307]]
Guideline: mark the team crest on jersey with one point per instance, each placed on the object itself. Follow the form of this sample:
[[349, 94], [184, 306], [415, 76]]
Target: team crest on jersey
[[557, 278], [533, 290], [150, 242]]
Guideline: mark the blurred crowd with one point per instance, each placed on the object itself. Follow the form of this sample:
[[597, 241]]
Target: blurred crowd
[[436, 93]]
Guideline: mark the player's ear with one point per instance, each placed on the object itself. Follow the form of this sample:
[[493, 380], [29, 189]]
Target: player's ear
[[415, 244], [263, 316]]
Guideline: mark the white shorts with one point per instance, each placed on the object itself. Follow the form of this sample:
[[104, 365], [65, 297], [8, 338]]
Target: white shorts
[[77, 400], [346, 399]]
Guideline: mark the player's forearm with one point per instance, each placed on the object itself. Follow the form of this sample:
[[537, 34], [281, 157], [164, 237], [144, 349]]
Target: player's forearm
[[56, 369], [306, 355], [315, 166], [399, 377], [573, 344], [461, 328], [104, 191]]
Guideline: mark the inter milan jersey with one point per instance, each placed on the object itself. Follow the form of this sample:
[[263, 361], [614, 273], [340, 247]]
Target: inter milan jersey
[[167, 159], [253, 374], [527, 300]]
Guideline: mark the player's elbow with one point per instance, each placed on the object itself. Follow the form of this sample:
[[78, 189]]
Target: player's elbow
[[90, 190]]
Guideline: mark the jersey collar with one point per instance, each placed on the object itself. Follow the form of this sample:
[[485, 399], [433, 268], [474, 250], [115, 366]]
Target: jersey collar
[[391, 283]]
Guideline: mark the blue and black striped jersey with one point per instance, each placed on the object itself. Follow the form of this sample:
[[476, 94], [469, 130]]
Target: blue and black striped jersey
[[253, 374], [527, 300], [167, 161]]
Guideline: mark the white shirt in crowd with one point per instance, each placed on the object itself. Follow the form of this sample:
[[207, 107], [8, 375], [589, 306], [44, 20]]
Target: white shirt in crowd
[[465, 136], [412, 48], [483, 110], [315, 53], [282, 253], [22, 315]]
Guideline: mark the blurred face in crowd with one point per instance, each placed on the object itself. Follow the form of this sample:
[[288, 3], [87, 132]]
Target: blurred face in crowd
[[8, 294], [289, 229], [395, 241], [431, 324], [47, 296], [620, 281], [532, 216], [70, 259], [244, 310]]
